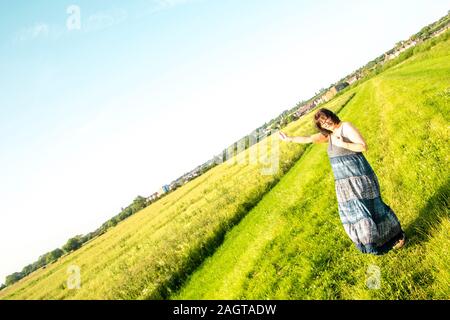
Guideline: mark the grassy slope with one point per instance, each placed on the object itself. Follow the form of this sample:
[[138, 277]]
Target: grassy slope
[[152, 252], [292, 245], [138, 258]]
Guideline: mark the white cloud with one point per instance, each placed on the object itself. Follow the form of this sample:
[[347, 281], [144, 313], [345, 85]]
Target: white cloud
[[94, 22]]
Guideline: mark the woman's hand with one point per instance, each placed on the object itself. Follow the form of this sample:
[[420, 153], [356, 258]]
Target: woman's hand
[[349, 145], [283, 136]]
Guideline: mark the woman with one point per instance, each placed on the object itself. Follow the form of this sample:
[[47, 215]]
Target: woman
[[369, 222]]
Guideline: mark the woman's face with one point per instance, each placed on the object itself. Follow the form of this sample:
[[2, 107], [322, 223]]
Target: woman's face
[[327, 124]]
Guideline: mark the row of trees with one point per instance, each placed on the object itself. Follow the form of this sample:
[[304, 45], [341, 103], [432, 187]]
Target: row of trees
[[427, 31], [76, 242], [376, 66], [279, 122], [370, 69], [43, 260]]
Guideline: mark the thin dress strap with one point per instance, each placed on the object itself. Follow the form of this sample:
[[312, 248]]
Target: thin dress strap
[[342, 135]]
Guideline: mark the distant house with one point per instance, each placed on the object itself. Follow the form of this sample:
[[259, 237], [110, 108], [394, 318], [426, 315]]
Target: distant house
[[397, 52], [153, 196], [352, 79], [439, 32], [173, 185], [329, 94], [318, 100], [341, 86], [305, 108], [391, 56], [165, 188], [333, 91]]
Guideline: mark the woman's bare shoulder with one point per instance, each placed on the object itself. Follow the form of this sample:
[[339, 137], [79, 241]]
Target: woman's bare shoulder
[[319, 138], [347, 125], [347, 128], [351, 131]]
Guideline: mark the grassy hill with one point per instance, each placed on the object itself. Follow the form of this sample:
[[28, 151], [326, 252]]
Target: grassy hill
[[152, 252], [237, 233], [293, 246]]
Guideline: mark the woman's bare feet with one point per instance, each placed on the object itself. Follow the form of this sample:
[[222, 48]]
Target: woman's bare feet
[[400, 243]]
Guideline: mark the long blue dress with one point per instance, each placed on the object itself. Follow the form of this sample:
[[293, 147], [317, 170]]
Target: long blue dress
[[369, 222]]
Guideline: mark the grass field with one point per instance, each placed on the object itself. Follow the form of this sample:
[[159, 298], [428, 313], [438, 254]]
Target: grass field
[[292, 245], [234, 233], [152, 252]]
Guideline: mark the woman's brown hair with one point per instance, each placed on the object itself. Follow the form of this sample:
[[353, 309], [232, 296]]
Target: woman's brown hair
[[325, 114]]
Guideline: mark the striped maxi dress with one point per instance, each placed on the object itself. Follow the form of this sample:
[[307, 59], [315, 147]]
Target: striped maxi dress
[[369, 222]]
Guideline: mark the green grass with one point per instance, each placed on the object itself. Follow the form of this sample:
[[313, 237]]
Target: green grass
[[237, 233], [150, 254], [293, 246]]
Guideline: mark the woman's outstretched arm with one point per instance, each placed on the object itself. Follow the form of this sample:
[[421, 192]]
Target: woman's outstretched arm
[[315, 138]]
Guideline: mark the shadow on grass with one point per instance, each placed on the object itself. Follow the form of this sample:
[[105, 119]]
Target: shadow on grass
[[430, 216]]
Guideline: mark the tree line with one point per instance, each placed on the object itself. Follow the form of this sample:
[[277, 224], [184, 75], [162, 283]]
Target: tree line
[[76, 242]]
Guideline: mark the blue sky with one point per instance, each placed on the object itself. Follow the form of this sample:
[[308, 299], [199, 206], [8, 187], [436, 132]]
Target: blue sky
[[145, 91]]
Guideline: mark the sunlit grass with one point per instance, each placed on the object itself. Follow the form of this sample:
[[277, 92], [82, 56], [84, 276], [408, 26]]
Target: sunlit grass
[[237, 233], [152, 252], [292, 245]]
